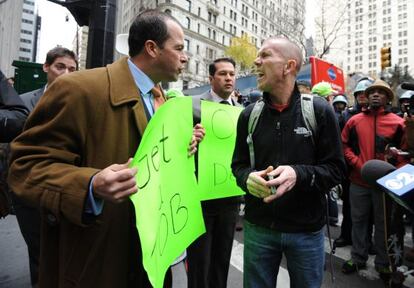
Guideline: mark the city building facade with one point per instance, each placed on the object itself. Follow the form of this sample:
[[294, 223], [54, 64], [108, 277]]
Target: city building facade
[[80, 45], [374, 24], [19, 24], [209, 26]]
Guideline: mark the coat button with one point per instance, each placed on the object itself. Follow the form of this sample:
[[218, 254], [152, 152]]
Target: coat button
[[51, 219]]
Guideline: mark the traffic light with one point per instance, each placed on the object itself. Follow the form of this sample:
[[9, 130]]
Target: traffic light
[[385, 57]]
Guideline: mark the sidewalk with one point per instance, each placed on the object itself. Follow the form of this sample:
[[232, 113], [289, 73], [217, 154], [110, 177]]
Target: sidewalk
[[14, 263]]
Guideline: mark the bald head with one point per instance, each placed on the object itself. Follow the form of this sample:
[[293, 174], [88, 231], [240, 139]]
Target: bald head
[[277, 64], [288, 49]]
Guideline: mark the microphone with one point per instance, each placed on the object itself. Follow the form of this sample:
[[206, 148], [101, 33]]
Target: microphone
[[374, 169], [397, 183], [407, 86]]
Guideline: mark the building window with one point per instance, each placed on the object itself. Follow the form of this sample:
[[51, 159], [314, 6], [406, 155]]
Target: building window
[[199, 11], [25, 41], [27, 21], [27, 11], [188, 22], [24, 49], [26, 32], [198, 27], [197, 70], [187, 44], [210, 53], [188, 5], [168, 11]]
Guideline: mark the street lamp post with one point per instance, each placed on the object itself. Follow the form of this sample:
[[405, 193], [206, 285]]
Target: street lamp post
[[99, 15]]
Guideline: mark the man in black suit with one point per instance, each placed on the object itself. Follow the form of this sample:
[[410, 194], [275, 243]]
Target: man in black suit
[[208, 257], [59, 61]]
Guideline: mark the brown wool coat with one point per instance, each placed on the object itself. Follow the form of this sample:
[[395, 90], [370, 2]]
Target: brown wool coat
[[85, 122]]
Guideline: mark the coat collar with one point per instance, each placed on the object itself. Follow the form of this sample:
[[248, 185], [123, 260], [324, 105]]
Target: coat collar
[[295, 95], [209, 97], [122, 90], [122, 87]]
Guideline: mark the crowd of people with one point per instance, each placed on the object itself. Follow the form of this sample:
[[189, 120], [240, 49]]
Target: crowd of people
[[370, 130], [70, 181]]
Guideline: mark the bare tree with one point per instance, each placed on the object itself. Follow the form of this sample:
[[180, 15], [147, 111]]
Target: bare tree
[[330, 25]]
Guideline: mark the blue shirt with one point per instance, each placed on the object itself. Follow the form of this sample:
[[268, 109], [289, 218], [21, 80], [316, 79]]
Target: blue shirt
[[144, 84]]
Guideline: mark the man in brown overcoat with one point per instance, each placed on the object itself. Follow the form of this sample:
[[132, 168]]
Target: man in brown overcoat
[[63, 162]]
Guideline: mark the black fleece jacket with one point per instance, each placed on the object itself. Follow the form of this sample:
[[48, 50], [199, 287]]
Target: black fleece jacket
[[280, 138]]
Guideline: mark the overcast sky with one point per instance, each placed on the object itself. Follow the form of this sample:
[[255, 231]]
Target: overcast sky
[[310, 16], [57, 31]]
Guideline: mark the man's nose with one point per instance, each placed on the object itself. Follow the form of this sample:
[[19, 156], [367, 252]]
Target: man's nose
[[184, 58]]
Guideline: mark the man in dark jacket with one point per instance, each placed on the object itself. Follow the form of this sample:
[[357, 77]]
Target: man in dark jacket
[[290, 220], [13, 113]]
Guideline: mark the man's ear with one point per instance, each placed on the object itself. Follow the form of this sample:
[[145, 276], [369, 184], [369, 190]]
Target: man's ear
[[210, 78], [290, 66], [151, 48], [46, 68]]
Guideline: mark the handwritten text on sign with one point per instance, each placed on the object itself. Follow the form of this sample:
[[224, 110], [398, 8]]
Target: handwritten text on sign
[[168, 213], [215, 179]]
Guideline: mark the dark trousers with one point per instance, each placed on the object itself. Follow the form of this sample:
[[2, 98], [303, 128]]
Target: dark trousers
[[29, 223], [346, 226], [208, 257]]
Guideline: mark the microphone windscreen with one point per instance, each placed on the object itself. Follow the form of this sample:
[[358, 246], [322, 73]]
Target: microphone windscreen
[[407, 86], [374, 169]]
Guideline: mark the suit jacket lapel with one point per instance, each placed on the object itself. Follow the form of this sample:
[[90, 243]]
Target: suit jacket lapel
[[37, 94]]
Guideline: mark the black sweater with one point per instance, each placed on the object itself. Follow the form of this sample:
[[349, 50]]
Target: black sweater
[[280, 139]]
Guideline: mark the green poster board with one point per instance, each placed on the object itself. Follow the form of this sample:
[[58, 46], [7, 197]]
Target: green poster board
[[215, 179], [168, 211]]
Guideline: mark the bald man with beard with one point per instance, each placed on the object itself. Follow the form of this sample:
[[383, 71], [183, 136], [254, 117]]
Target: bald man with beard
[[290, 221]]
